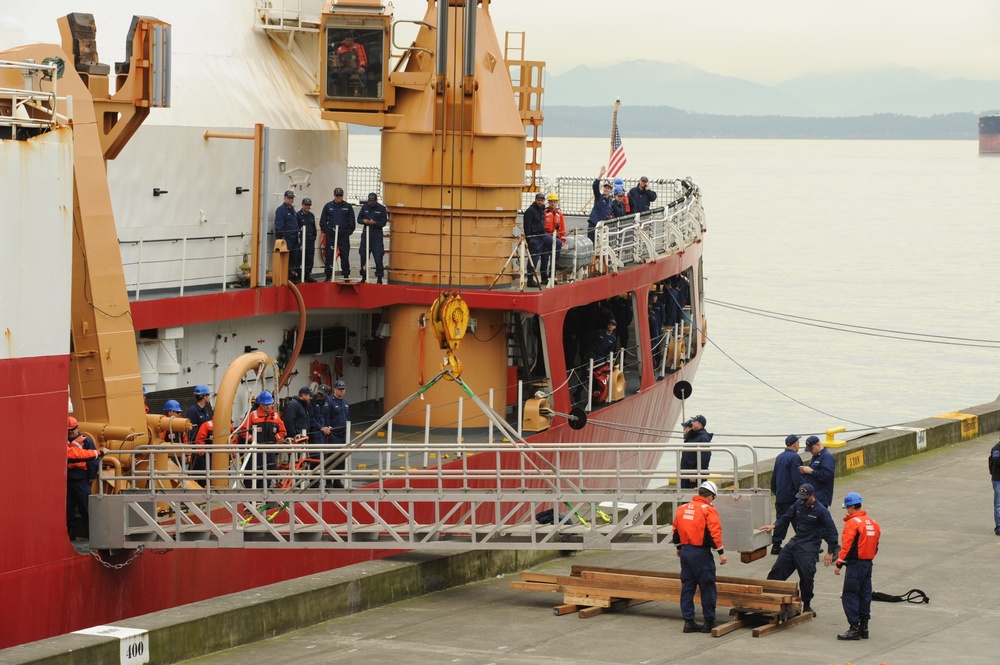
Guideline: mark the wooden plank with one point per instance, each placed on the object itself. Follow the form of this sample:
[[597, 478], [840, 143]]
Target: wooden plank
[[537, 577], [774, 626], [748, 601], [588, 612], [589, 601], [616, 604], [770, 586], [532, 586], [560, 610], [756, 601], [668, 583], [728, 627], [747, 557]]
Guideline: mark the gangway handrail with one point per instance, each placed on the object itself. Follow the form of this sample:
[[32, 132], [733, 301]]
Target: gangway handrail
[[560, 466], [489, 496]]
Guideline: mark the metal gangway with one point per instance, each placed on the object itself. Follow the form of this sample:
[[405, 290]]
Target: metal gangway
[[422, 496]]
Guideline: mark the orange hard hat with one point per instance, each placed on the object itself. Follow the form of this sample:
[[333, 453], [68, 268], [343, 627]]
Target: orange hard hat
[[72, 423]]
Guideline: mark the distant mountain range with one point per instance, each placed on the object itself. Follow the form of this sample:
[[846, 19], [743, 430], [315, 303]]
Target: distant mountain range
[[677, 100], [686, 87]]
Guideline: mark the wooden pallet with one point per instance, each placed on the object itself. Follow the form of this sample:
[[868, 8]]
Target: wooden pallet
[[766, 605]]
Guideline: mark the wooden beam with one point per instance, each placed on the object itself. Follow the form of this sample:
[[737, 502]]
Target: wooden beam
[[774, 626], [665, 583], [616, 604], [770, 586], [586, 600], [728, 627], [532, 586]]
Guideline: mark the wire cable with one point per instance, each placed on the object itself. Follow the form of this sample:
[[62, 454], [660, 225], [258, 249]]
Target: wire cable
[[861, 330]]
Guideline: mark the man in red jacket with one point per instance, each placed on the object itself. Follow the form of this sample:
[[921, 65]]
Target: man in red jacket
[[263, 426], [81, 468], [859, 546], [697, 531]]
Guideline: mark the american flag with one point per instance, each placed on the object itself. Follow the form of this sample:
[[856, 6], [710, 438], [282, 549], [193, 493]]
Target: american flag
[[617, 161]]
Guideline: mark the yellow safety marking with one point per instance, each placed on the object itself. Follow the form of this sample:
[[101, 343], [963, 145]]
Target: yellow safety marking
[[856, 460], [970, 423]]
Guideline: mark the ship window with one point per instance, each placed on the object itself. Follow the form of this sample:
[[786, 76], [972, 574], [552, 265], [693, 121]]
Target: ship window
[[354, 63], [324, 340]]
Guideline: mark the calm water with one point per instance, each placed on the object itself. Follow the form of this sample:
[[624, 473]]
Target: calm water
[[896, 235]]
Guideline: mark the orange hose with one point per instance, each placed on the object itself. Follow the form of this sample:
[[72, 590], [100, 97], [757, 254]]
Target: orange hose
[[286, 375]]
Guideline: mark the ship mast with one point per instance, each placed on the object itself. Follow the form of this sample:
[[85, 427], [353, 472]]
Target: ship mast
[[614, 124]]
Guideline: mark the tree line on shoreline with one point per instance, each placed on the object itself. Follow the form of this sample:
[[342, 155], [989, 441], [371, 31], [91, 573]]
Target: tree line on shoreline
[[668, 122]]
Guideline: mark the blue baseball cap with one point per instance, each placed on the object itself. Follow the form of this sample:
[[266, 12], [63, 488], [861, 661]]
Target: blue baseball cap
[[811, 441], [805, 491], [339, 384], [852, 499], [791, 440]]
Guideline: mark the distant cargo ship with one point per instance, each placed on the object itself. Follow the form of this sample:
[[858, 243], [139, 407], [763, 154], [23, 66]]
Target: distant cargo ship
[[989, 134]]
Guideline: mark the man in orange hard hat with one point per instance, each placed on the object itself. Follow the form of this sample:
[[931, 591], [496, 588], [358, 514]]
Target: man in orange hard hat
[[82, 466]]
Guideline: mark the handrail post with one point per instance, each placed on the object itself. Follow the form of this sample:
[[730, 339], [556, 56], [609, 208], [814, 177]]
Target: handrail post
[[138, 271], [590, 387], [184, 244]]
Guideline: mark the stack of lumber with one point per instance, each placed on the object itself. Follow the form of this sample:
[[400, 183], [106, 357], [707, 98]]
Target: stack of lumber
[[590, 590]]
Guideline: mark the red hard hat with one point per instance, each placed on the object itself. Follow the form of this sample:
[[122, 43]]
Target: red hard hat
[[72, 423]]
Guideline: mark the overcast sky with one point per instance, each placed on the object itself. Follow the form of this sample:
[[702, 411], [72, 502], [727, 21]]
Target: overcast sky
[[766, 41]]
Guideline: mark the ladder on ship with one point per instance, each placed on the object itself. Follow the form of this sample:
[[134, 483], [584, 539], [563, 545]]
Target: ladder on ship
[[427, 496]]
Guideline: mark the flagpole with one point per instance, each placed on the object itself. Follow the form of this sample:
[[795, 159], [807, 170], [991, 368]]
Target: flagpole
[[614, 123]]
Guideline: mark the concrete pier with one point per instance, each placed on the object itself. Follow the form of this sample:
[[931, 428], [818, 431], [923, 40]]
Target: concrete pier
[[936, 512]]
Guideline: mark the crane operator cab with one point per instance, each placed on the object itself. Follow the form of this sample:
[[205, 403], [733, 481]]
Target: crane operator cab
[[355, 55]]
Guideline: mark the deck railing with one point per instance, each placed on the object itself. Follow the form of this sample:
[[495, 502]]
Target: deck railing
[[169, 267], [28, 107]]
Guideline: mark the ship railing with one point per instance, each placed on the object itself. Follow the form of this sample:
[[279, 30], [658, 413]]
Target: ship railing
[[301, 15], [176, 264], [622, 241], [599, 495], [576, 193], [29, 107], [361, 181]]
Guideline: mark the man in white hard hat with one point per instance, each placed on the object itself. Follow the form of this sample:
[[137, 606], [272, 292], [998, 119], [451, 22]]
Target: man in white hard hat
[[697, 531]]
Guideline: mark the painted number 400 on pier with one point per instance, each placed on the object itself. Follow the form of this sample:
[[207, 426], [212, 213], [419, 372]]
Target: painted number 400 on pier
[[134, 642]]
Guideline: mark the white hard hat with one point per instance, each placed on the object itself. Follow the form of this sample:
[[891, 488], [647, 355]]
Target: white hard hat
[[710, 486]]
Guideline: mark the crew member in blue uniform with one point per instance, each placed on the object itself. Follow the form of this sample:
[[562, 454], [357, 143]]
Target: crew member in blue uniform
[[297, 411], [641, 196], [339, 414], [286, 227], [618, 208], [539, 243], [337, 222], [307, 222], [693, 460], [813, 524], [785, 483], [373, 217], [602, 204], [819, 471]]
